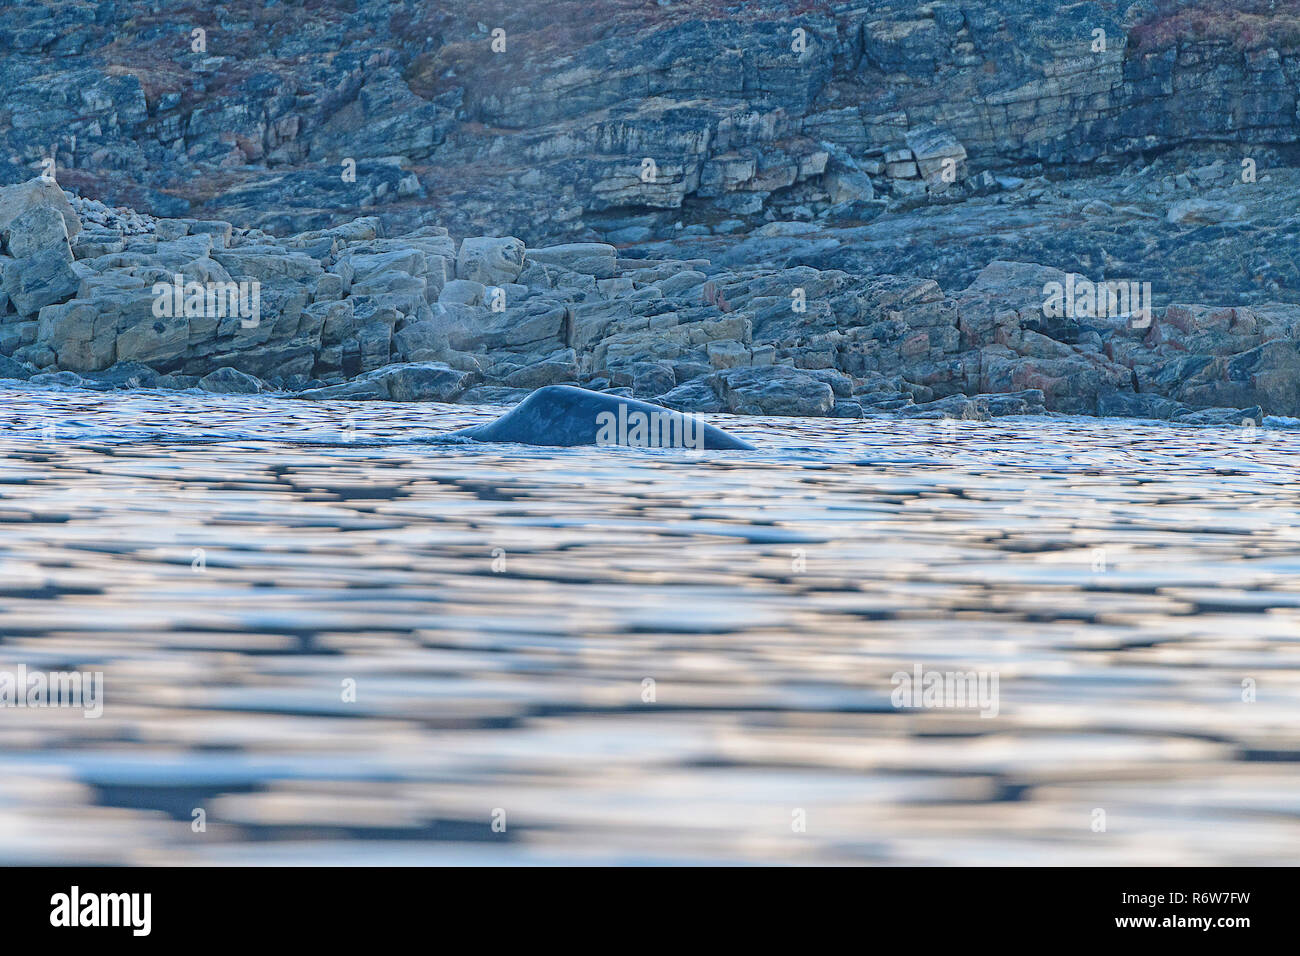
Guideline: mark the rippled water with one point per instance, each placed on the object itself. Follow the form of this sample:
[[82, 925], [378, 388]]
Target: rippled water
[[231, 564]]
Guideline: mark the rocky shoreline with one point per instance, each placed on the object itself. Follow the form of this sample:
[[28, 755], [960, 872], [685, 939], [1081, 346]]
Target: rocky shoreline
[[765, 209], [349, 313]]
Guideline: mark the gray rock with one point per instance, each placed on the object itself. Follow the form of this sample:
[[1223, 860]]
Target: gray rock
[[42, 279], [553, 370], [1139, 405], [490, 261], [406, 382], [167, 229], [355, 391], [1197, 211], [229, 381], [36, 230], [849, 186], [425, 382], [66, 379], [92, 245], [596, 259], [979, 407], [38, 193], [493, 395], [1221, 416], [651, 378], [462, 292], [935, 150], [12, 369], [697, 395], [773, 390], [130, 375]]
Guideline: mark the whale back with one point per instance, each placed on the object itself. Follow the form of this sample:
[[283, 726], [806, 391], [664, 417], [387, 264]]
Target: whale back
[[566, 415]]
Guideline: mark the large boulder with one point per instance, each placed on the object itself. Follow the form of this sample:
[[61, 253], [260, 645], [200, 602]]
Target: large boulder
[[1138, 405], [36, 230], [979, 407], [1195, 212], [425, 382], [490, 261], [651, 378], [848, 185], [697, 395], [555, 369], [1071, 381], [81, 336], [586, 258], [230, 381], [773, 390], [536, 328], [37, 193], [11, 369], [1268, 376], [131, 375], [407, 382], [1222, 417], [462, 292], [935, 150], [38, 280]]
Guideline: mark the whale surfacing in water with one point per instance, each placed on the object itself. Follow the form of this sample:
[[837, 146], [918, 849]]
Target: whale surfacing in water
[[565, 415]]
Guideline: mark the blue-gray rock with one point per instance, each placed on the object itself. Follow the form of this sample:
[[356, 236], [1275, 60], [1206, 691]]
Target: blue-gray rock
[[11, 369], [697, 395], [1221, 416], [774, 390], [403, 382], [230, 381], [38, 280]]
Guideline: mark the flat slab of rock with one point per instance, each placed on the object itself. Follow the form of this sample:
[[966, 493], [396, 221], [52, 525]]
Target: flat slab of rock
[[980, 407], [406, 382], [587, 258]]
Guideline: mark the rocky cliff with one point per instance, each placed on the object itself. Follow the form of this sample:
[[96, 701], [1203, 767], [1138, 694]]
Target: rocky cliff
[[807, 208]]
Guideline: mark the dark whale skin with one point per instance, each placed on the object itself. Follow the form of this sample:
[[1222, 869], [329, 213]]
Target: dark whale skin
[[565, 415]]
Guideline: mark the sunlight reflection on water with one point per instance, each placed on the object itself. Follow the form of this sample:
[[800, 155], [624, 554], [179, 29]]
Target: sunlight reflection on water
[[500, 609]]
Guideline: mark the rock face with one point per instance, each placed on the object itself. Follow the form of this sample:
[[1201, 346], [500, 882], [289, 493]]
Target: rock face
[[550, 124], [821, 209]]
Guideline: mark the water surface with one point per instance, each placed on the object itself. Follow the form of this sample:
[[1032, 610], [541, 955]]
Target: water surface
[[232, 563]]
